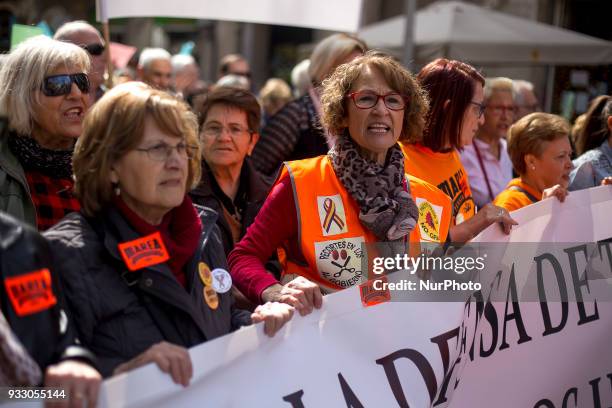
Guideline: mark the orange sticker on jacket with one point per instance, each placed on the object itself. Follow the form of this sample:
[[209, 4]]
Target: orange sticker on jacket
[[30, 293], [371, 296], [143, 252]]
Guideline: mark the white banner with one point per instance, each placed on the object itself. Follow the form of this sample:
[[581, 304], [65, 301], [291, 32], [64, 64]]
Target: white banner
[[496, 354], [336, 15]]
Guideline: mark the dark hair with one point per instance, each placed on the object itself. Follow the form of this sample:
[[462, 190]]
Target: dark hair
[[235, 98], [595, 129], [226, 61], [444, 80]]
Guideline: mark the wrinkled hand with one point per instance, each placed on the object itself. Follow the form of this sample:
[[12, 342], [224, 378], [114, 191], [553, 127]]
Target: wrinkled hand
[[300, 293], [556, 191], [274, 315], [80, 380], [607, 181], [170, 358], [492, 213]]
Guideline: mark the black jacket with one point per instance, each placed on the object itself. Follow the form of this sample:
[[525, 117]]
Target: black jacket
[[43, 327], [120, 313], [256, 191]]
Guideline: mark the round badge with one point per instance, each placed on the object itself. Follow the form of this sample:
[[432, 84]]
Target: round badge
[[205, 275], [222, 281], [211, 298]]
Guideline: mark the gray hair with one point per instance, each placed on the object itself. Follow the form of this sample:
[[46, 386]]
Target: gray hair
[[67, 30], [181, 61], [23, 73], [148, 55], [234, 81], [498, 84], [519, 86], [300, 78]]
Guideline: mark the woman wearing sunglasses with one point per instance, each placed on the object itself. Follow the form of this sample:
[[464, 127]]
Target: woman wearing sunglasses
[[455, 90], [44, 94], [144, 270], [322, 209]]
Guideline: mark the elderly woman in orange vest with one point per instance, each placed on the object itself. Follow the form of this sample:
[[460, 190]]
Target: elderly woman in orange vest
[[322, 209], [541, 154]]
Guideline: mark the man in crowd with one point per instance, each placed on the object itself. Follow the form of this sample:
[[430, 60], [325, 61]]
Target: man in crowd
[[185, 73], [524, 98], [235, 64], [86, 36], [155, 68]]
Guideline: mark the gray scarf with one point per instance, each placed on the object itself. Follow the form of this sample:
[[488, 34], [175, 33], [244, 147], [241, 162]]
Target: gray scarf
[[385, 205]]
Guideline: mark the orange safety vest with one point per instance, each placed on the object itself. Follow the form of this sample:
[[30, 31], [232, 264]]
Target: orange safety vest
[[330, 233], [517, 195], [445, 171]]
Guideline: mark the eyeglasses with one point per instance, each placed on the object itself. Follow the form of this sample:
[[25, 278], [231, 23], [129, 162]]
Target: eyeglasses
[[368, 99], [481, 108], [94, 49], [58, 85], [161, 152], [499, 109], [234, 130]]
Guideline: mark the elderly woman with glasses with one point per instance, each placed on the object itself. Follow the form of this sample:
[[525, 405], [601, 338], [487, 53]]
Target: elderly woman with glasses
[[456, 112], [321, 210], [144, 270], [44, 94], [487, 162], [229, 121]]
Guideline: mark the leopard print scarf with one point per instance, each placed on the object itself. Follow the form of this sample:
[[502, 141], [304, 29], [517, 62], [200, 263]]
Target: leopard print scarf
[[385, 205]]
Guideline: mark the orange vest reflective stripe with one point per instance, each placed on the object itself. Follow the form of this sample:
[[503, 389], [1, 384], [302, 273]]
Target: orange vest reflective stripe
[[330, 233]]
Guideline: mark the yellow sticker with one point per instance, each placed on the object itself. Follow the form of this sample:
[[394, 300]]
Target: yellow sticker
[[205, 274], [211, 297]]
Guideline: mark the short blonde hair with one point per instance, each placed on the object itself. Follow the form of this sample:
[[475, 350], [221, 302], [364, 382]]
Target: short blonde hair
[[399, 79], [330, 52], [115, 126], [274, 95], [530, 134], [23, 72]]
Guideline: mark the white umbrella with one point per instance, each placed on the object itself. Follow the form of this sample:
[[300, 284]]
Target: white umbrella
[[481, 36]]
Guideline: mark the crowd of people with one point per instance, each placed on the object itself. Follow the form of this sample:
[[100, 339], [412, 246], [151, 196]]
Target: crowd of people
[[141, 220]]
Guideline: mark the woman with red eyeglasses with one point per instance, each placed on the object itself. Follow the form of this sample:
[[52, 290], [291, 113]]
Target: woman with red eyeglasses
[[44, 95], [321, 210]]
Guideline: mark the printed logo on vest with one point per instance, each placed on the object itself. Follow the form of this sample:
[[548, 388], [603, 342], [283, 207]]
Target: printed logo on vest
[[339, 262], [331, 215], [429, 220], [371, 296], [30, 293], [143, 252]]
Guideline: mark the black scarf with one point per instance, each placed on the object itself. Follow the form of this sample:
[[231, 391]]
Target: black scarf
[[34, 157], [385, 205]]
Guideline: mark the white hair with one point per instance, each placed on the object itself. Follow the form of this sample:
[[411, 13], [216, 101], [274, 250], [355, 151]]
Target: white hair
[[498, 84], [521, 85], [235, 81], [300, 78], [181, 61], [148, 55], [24, 71]]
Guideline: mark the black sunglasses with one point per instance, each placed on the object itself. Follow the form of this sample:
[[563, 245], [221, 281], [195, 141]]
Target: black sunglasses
[[58, 85], [94, 49]]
